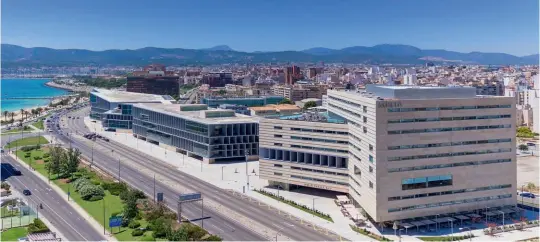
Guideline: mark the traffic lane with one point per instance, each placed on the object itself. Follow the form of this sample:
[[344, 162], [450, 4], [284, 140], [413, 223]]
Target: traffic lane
[[55, 208], [214, 221], [239, 205], [249, 210]]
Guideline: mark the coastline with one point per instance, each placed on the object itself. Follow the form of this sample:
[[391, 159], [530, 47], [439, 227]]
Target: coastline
[[66, 87]]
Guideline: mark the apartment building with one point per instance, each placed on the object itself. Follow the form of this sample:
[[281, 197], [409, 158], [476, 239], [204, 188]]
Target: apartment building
[[209, 135], [304, 152], [428, 151], [299, 92]]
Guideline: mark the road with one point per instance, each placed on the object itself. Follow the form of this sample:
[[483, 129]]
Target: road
[[55, 208], [136, 167]]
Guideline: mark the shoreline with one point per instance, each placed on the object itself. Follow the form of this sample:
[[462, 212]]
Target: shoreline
[[65, 87]]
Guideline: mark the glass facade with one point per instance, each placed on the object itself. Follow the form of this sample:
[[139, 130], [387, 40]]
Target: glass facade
[[215, 141]]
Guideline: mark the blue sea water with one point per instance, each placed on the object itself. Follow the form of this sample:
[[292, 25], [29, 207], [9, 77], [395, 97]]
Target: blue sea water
[[26, 88]]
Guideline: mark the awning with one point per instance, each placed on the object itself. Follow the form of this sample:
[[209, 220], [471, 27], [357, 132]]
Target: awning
[[490, 214], [407, 225], [428, 222], [444, 220], [342, 199], [462, 217], [474, 215], [417, 223], [506, 210]]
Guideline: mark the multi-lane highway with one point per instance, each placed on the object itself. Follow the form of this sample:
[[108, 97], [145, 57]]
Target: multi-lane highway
[[55, 208], [228, 219]]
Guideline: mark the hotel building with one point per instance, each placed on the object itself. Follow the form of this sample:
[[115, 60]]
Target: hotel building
[[427, 151], [304, 153]]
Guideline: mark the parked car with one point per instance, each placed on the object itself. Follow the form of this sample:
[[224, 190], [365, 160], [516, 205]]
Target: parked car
[[527, 194], [27, 192], [16, 172], [106, 139]]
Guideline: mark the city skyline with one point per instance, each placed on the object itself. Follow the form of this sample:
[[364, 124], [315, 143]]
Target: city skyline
[[273, 26]]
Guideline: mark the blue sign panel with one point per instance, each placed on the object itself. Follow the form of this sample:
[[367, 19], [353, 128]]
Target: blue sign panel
[[190, 196], [160, 197], [115, 221]]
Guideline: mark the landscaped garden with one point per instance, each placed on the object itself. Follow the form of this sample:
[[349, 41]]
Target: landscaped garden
[[36, 140], [39, 124], [142, 219], [296, 205], [14, 234]]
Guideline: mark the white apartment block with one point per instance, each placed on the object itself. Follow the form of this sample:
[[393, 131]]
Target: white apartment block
[[428, 151]]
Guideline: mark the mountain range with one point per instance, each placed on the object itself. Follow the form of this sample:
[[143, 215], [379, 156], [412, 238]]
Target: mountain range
[[14, 55]]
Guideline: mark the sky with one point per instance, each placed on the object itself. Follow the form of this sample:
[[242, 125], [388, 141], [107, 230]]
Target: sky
[[505, 26]]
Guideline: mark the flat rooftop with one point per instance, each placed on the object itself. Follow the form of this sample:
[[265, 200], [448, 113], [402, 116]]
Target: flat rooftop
[[418, 92], [210, 116], [130, 97]]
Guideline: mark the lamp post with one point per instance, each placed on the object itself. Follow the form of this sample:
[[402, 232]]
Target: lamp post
[[502, 216], [247, 174], [222, 172], [522, 192], [314, 206]]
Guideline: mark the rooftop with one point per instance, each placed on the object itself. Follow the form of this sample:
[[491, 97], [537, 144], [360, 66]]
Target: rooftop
[[382, 92], [276, 107], [310, 116], [213, 116], [130, 97]]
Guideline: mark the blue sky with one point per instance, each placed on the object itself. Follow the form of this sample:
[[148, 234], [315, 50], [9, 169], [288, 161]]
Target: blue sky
[[270, 25]]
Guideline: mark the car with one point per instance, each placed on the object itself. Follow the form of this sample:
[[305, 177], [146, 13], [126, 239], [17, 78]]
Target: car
[[527, 194], [531, 144], [93, 121], [1, 150], [78, 117], [106, 139], [27, 192], [50, 130]]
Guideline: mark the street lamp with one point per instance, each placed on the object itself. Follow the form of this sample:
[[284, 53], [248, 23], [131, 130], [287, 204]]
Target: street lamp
[[247, 174], [522, 186], [314, 206]]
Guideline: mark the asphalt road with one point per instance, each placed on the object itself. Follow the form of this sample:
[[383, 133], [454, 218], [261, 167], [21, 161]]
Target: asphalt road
[[133, 162], [55, 208]]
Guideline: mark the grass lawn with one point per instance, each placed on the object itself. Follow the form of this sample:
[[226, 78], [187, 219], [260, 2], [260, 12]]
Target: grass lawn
[[14, 234], [445, 238], [38, 124], [110, 203], [27, 141], [326, 217], [6, 213]]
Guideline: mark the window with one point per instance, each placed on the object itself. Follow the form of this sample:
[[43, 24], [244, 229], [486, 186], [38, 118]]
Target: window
[[370, 184], [278, 127], [365, 119], [370, 147], [278, 165], [426, 182], [364, 108], [278, 144], [278, 136], [278, 174], [370, 169], [371, 159], [365, 130], [357, 171]]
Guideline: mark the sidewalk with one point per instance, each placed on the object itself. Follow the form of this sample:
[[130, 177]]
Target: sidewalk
[[73, 204]]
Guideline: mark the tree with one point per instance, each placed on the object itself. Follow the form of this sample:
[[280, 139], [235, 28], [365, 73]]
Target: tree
[[310, 104], [6, 114], [222, 92], [286, 101], [531, 187], [22, 115], [130, 207], [91, 192], [70, 162], [160, 227], [523, 147], [12, 119], [56, 156]]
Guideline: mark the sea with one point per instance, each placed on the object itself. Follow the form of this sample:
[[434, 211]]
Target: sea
[[26, 88]]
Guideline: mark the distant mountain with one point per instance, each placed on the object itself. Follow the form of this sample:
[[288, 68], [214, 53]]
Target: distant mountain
[[13, 55], [220, 47]]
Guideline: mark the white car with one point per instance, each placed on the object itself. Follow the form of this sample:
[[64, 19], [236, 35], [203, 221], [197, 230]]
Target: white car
[[50, 130]]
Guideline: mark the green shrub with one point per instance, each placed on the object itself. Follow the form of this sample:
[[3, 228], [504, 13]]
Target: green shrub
[[46, 160], [37, 157], [134, 224], [147, 238], [115, 188], [37, 226], [137, 232], [95, 198], [116, 213], [27, 155], [89, 190], [213, 238], [96, 182], [46, 155]]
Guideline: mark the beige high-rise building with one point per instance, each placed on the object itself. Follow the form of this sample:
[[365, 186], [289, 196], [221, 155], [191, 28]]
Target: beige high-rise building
[[428, 152]]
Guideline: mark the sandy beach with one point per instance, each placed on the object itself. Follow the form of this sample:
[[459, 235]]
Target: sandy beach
[[18, 116]]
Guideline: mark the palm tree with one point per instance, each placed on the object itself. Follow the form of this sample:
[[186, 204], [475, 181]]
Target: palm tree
[[12, 120], [6, 114], [22, 114], [39, 110], [523, 147]]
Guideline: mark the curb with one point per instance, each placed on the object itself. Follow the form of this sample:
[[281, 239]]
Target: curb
[[73, 204]]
